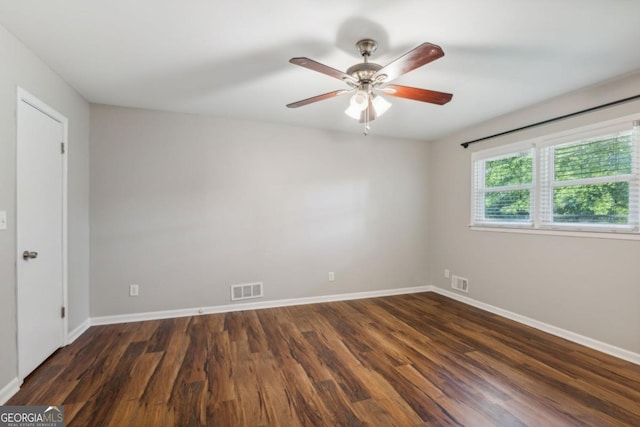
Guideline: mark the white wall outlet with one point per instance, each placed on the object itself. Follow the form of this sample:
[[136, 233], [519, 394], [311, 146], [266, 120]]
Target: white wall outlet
[[332, 276], [134, 290], [3, 220], [446, 273]]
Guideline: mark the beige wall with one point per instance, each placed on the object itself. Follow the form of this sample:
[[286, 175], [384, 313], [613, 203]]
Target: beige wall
[[186, 206], [585, 285], [20, 67]]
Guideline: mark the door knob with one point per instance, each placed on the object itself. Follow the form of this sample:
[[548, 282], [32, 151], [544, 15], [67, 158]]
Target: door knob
[[26, 255]]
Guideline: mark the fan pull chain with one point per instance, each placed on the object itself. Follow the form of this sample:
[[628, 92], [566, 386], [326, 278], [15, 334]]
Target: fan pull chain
[[366, 122]]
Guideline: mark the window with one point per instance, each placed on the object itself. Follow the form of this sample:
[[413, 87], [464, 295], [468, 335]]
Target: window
[[587, 182], [504, 189]]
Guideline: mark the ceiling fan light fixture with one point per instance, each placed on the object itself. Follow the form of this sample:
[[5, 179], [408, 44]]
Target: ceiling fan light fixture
[[358, 103], [353, 111], [380, 104], [360, 100]]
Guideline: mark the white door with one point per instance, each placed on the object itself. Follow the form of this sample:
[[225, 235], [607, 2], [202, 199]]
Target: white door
[[39, 236]]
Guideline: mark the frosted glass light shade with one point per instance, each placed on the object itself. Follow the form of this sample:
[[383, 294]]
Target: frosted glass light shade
[[360, 99], [381, 105], [356, 107], [353, 111]]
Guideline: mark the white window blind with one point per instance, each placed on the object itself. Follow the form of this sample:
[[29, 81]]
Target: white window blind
[[591, 183], [588, 183], [504, 189]]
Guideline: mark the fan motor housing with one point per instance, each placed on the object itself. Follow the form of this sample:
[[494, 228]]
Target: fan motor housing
[[364, 71]]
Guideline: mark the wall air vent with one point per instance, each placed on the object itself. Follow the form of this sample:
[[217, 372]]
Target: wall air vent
[[460, 283], [246, 291]]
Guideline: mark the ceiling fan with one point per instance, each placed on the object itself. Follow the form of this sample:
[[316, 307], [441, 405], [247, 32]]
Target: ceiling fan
[[368, 81]]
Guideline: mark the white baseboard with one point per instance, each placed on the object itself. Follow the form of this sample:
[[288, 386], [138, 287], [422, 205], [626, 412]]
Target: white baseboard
[[167, 314], [9, 390], [73, 335], [603, 347]]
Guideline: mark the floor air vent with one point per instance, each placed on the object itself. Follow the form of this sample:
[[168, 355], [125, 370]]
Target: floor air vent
[[246, 291], [460, 283]]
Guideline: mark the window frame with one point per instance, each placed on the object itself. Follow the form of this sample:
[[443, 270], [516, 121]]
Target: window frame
[[543, 186]]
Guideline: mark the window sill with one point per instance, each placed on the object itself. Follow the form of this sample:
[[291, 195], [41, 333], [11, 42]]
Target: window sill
[[566, 233]]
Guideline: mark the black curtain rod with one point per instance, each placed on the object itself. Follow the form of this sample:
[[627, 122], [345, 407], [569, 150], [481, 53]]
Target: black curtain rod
[[544, 122]]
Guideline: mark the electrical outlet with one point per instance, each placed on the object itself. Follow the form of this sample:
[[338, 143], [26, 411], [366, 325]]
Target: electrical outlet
[[446, 273], [134, 290], [332, 276]]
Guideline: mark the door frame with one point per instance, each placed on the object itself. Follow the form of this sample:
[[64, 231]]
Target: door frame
[[28, 98]]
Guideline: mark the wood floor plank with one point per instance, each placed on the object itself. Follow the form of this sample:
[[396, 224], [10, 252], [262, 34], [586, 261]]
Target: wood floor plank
[[386, 397], [97, 371], [35, 385], [459, 411], [234, 325], [142, 371], [186, 401], [342, 374], [146, 330], [70, 412], [219, 369], [520, 400], [557, 373], [275, 336], [111, 390], [156, 415], [303, 355], [90, 353], [373, 413], [278, 403], [304, 398], [249, 397], [406, 360], [340, 411], [563, 402], [226, 414], [123, 408], [420, 402], [255, 333], [193, 363], [162, 379]]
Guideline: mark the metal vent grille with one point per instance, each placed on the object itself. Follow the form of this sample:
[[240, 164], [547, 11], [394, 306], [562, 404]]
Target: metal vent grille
[[460, 283], [246, 291]]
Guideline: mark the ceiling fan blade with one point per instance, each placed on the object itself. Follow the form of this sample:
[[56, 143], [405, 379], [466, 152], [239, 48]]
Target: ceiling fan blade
[[324, 69], [411, 60], [417, 94], [318, 98]]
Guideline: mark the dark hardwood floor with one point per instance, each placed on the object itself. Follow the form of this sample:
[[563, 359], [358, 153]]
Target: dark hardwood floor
[[410, 360]]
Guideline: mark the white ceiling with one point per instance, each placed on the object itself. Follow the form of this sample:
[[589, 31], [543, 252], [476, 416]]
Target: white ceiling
[[230, 58]]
